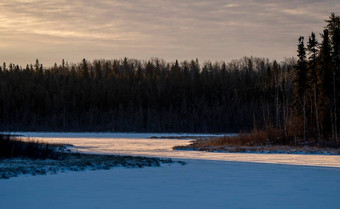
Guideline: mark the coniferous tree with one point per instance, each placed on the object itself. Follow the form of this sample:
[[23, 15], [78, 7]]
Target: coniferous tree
[[333, 27], [325, 82], [312, 49], [84, 69], [301, 83]]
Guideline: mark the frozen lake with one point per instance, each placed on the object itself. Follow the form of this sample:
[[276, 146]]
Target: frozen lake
[[144, 145], [208, 180]]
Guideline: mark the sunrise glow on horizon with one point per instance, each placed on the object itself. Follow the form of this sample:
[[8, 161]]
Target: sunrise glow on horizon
[[208, 30]]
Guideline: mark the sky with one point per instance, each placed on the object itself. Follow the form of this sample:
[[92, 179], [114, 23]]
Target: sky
[[212, 30]]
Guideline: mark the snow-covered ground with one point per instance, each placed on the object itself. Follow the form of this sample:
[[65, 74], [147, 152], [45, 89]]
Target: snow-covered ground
[[199, 184], [221, 180]]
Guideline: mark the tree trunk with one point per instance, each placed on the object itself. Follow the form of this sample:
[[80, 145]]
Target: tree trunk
[[304, 116], [335, 115], [317, 114]]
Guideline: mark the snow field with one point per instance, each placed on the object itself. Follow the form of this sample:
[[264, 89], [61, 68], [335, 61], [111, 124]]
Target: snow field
[[198, 184]]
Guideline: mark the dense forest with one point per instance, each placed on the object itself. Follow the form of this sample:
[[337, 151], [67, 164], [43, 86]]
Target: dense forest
[[297, 96], [133, 95]]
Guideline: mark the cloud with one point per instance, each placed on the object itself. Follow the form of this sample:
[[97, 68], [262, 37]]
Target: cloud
[[171, 29], [231, 5]]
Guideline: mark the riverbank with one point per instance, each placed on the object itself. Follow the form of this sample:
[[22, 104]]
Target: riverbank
[[75, 162], [20, 157], [267, 141], [261, 149]]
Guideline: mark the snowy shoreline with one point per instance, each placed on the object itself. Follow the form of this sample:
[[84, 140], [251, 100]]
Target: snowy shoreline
[[75, 162]]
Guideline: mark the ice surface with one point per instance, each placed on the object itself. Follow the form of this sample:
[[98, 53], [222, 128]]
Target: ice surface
[[142, 145]]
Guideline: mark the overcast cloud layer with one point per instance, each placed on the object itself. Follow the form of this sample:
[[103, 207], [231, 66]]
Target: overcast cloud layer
[[171, 29]]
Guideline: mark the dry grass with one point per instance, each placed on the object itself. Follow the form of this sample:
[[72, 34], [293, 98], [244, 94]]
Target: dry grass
[[256, 138], [12, 147], [267, 140]]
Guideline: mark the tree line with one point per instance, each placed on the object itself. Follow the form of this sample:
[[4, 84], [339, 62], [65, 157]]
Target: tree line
[[153, 95]]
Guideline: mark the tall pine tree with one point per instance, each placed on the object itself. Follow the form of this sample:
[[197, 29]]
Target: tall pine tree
[[312, 50], [324, 81], [333, 27], [301, 83]]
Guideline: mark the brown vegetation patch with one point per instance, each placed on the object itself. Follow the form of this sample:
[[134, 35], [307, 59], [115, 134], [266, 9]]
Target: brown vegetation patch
[[269, 140]]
